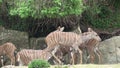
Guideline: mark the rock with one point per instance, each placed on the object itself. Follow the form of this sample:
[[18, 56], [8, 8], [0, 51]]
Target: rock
[[110, 49], [20, 39], [38, 43]]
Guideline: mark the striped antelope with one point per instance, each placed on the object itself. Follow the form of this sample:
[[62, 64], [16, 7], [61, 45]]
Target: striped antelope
[[25, 56], [8, 49], [91, 44], [56, 39], [90, 41]]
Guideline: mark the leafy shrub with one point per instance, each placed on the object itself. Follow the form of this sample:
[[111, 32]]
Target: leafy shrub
[[101, 16], [0, 1], [39, 64], [45, 8]]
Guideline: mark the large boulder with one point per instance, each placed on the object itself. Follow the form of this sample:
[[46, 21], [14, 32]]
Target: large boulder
[[110, 49]]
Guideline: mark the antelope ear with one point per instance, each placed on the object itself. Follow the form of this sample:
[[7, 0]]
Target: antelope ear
[[90, 30], [59, 28], [62, 28]]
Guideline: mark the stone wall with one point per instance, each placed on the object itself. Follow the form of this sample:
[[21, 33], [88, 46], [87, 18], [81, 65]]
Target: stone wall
[[20, 39]]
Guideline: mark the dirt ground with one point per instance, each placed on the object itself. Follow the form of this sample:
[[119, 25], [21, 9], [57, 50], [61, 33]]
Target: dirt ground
[[77, 66]]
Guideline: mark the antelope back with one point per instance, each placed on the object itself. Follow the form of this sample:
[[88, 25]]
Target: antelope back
[[9, 47], [62, 38], [27, 55]]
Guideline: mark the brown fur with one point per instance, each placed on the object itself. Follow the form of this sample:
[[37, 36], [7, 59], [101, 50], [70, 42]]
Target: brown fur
[[8, 50], [25, 56]]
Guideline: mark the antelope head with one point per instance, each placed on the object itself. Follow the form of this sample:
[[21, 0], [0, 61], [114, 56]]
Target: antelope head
[[91, 34]]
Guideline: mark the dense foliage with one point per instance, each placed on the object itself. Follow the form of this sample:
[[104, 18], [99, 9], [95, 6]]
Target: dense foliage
[[100, 14], [39, 64], [45, 15], [0, 1], [45, 8]]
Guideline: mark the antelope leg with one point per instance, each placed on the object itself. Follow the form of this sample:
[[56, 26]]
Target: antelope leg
[[53, 54], [80, 52], [98, 53], [2, 61], [72, 56]]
